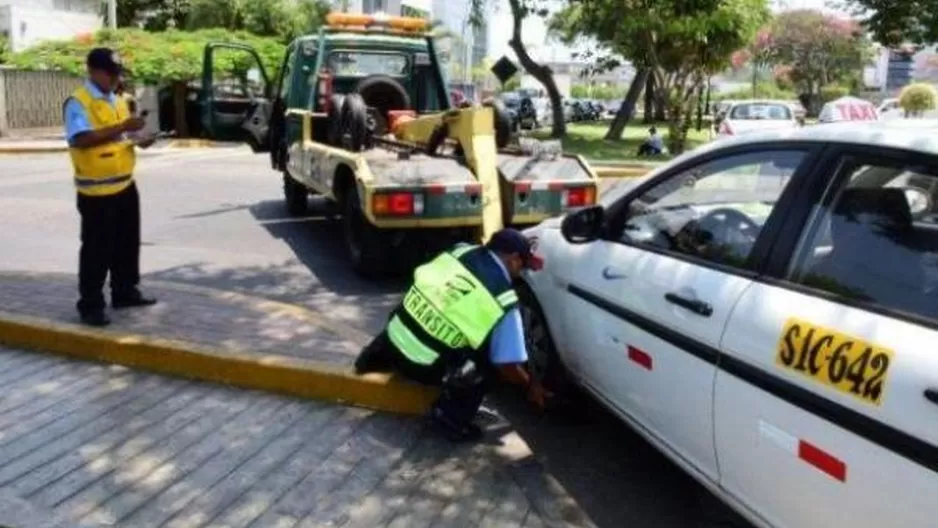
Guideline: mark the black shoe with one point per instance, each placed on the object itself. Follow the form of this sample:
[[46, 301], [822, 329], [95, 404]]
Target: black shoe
[[133, 301], [97, 318], [373, 358], [460, 434]]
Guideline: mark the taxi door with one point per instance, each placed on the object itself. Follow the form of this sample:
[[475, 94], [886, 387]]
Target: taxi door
[[649, 303], [826, 401]]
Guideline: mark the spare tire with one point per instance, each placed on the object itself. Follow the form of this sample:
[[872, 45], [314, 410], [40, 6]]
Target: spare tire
[[335, 130], [384, 93], [355, 122], [502, 122]]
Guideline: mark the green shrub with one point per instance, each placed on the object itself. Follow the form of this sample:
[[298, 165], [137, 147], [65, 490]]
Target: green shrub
[[832, 92], [917, 98]]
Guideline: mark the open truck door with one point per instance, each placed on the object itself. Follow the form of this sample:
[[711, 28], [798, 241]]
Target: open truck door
[[235, 102]]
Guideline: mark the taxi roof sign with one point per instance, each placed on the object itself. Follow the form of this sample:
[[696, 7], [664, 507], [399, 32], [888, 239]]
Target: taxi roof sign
[[338, 20]]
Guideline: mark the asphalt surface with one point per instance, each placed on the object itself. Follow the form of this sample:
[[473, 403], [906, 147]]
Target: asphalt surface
[[215, 218]]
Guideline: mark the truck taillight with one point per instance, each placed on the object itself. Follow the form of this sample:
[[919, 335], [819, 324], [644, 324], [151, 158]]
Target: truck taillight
[[579, 196], [397, 204], [324, 90]]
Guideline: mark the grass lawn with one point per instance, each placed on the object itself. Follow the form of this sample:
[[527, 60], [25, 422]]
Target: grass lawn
[[586, 139]]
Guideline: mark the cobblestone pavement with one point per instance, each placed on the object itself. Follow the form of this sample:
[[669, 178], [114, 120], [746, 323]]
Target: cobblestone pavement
[[102, 445], [216, 219]]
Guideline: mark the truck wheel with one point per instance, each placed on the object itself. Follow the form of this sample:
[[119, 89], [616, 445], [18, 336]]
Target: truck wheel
[[335, 130], [367, 245], [295, 195], [355, 121], [543, 359]]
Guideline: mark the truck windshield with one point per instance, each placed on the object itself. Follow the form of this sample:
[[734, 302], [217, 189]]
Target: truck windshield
[[364, 63]]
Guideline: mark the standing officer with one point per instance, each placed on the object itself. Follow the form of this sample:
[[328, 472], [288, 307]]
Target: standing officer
[[97, 125], [458, 326]]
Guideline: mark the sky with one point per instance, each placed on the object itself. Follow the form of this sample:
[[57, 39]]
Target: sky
[[534, 32]]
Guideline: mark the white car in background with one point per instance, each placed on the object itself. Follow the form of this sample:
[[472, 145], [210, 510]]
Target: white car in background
[[750, 116], [764, 310]]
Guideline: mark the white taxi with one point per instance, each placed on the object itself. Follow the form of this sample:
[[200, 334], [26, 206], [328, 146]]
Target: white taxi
[[764, 310]]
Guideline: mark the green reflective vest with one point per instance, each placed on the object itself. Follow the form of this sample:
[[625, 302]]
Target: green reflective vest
[[447, 309]]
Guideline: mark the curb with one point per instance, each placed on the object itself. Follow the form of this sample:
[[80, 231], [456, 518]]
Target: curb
[[304, 379], [621, 171], [33, 150]]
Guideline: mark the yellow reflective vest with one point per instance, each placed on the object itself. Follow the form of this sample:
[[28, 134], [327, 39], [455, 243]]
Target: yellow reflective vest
[[106, 169]]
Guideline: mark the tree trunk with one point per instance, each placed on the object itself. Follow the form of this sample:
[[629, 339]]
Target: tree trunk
[[179, 109], [541, 72], [649, 115], [661, 103], [627, 110]]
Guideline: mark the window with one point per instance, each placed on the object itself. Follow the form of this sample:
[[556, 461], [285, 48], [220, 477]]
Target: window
[[374, 6], [875, 239], [361, 64], [286, 76], [771, 111], [714, 211]]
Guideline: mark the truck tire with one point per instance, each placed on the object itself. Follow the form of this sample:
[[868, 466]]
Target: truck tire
[[367, 245], [335, 130], [295, 195], [355, 122]]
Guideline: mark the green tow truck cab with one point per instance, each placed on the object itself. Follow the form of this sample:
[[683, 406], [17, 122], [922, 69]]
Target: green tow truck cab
[[360, 114]]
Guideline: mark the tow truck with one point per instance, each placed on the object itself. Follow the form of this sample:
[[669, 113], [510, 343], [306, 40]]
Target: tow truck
[[360, 114]]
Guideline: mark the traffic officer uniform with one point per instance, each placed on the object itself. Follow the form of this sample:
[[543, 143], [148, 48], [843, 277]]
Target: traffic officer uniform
[[451, 325], [107, 196]]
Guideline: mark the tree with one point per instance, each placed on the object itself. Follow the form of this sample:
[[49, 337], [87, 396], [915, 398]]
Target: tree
[[156, 15], [917, 98], [520, 11], [893, 23], [678, 43], [4, 48], [284, 19], [170, 58], [819, 49]]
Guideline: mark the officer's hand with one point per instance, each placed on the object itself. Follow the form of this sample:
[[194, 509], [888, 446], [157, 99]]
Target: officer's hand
[[538, 395], [134, 124]]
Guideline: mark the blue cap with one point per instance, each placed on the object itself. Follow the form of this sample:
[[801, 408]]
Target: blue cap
[[511, 241]]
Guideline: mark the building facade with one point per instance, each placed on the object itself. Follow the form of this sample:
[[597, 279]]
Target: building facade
[[27, 22], [390, 7]]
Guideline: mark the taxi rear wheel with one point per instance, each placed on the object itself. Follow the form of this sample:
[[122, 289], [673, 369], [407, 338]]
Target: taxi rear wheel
[[543, 360]]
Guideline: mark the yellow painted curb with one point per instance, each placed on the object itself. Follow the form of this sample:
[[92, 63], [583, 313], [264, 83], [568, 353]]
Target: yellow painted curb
[[622, 172], [32, 150], [305, 379], [191, 143]]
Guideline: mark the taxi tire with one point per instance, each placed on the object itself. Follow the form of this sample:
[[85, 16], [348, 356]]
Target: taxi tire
[[295, 195], [554, 377], [366, 244]]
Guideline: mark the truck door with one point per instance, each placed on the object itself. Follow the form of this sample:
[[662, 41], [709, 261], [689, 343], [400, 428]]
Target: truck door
[[235, 102]]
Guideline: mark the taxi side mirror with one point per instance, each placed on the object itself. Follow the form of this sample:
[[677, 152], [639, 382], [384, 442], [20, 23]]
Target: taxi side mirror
[[583, 225]]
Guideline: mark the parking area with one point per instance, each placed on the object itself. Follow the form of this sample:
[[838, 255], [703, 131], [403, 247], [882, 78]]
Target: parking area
[[214, 218]]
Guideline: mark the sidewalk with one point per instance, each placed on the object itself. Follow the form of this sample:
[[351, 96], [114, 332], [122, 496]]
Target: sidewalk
[[205, 334], [89, 445]]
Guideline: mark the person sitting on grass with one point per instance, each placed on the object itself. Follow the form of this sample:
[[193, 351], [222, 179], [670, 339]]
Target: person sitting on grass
[[653, 144]]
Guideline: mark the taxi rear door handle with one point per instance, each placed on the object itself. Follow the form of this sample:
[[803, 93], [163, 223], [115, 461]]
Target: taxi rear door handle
[[931, 394]]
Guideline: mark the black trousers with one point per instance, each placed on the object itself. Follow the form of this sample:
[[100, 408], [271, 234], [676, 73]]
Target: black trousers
[[460, 395], [110, 242]]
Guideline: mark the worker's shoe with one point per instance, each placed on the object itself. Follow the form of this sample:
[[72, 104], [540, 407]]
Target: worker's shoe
[[440, 423], [96, 318], [134, 299], [374, 357]]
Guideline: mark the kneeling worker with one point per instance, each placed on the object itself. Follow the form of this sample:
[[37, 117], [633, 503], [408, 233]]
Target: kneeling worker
[[458, 326]]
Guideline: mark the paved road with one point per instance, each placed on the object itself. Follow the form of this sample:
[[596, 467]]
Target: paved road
[[214, 217]]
